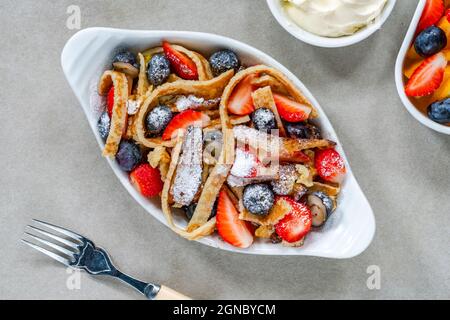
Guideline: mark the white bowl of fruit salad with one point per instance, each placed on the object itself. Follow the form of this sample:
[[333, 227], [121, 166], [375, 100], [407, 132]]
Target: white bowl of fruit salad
[[422, 73], [219, 142], [331, 24]]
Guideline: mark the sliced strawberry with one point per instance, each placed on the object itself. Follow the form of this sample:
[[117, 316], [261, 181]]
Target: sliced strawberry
[[431, 14], [427, 77], [232, 229], [241, 102], [147, 180], [110, 101], [183, 120], [291, 110], [297, 221], [330, 165], [183, 66]]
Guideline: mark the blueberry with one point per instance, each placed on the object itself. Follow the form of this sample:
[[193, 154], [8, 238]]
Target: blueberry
[[129, 155], [321, 207], [103, 125], [223, 60], [258, 198], [126, 57], [158, 69], [263, 119], [158, 119], [190, 209], [430, 41], [302, 130], [439, 111]]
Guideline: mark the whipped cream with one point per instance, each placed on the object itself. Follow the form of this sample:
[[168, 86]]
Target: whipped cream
[[333, 18]]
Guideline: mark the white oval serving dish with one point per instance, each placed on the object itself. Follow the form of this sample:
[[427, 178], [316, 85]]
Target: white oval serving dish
[[320, 41], [88, 53], [399, 78]]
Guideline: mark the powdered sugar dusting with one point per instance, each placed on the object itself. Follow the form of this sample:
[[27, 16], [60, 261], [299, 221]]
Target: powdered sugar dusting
[[189, 170], [192, 102], [133, 106], [245, 164]]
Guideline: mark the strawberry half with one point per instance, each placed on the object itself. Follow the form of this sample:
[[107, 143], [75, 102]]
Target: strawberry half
[[110, 101], [183, 120], [147, 180], [183, 66], [297, 221], [431, 14], [329, 165], [241, 102], [427, 77], [291, 110], [232, 229]]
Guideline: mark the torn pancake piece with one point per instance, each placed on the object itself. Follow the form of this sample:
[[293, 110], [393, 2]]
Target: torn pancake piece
[[119, 110], [188, 177], [287, 149]]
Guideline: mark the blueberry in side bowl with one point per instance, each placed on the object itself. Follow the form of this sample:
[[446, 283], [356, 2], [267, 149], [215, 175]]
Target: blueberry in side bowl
[[129, 155], [103, 125], [158, 69], [439, 111], [223, 60], [126, 62], [430, 41], [158, 119]]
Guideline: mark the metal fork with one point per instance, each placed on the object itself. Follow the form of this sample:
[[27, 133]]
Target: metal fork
[[78, 252]]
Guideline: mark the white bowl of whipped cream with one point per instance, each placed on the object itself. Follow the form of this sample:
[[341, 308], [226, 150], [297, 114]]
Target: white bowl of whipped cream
[[331, 23]]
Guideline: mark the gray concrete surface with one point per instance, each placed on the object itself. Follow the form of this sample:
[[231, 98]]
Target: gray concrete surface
[[52, 167]]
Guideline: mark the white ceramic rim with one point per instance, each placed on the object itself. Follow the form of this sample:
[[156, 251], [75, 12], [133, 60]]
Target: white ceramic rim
[[71, 55], [319, 41], [399, 78]]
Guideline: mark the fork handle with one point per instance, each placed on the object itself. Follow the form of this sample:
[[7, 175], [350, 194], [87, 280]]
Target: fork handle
[[150, 290], [165, 293]]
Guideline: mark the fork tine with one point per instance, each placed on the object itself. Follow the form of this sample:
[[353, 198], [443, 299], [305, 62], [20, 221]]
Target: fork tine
[[55, 256], [60, 229], [57, 238], [51, 245]]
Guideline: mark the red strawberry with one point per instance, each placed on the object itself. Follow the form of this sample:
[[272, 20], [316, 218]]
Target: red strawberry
[[431, 14], [180, 63], [232, 229], [183, 120], [297, 221], [291, 110], [241, 102], [447, 15], [330, 165], [427, 77], [110, 101], [147, 180]]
